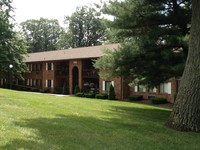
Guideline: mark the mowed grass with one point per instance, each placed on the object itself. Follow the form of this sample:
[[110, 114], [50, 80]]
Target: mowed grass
[[46, 122]]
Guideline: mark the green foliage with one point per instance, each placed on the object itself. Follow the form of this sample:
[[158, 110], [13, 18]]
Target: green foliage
[[90, 95], [64, 90], [80, 94], [157, 100], [77, 89], [101, 96], [12, 47], [154, 39], [42, 35], [85, 27], [135, 97], [111, 95]]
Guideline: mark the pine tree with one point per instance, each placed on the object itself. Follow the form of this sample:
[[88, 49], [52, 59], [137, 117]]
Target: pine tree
[[111, 95]]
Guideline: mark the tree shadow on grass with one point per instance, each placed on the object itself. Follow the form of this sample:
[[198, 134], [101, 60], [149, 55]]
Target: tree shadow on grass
[[120, 128]]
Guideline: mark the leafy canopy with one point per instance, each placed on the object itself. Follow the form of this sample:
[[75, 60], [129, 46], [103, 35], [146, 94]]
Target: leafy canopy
[[85, 27], [42, 35], [12, 47], [154, 36]]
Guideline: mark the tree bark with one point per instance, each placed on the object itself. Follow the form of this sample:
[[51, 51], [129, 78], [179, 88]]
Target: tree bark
[[185, 115]]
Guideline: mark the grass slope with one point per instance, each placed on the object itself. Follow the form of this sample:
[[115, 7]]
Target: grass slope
[[39, 121]]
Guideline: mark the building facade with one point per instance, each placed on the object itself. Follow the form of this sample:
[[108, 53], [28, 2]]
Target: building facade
[[50, 71]]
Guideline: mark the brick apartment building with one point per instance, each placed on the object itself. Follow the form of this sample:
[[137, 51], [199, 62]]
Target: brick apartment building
[[52, 69]]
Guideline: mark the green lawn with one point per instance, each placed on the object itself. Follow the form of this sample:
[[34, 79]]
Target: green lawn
[[48, 122]]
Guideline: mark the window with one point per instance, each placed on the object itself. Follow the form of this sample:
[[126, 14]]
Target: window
[[49, 66], [30, 67], [153, 90], [34, 67], [30, 82], [140, 88], [38, 67], [38, 82], [49, 83], [106, 85], [3, 81], [165, 88]]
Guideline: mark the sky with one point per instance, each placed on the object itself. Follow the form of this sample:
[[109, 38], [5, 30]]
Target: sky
[[51, 9]]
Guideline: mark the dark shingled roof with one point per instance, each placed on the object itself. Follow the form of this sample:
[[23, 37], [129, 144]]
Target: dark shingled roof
[[67, 54]]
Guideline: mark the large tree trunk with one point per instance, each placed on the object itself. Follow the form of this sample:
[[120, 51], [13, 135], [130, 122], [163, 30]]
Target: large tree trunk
[[186, 111]]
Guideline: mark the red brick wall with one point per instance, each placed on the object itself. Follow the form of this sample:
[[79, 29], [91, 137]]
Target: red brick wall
[[117, 86]]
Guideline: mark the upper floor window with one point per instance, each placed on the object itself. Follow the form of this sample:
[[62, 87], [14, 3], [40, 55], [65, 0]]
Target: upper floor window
[[49, 66]]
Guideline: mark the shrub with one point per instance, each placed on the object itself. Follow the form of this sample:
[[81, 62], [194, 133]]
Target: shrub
[[135, 97], [90, 95], [80, 94], [157, 100], [77, 89], [58, 90], [35, 90], [111, 94], [46, 90], [101, 96], [64, 89]]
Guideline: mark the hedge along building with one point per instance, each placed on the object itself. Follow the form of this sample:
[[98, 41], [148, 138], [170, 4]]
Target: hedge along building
[[52, 70]]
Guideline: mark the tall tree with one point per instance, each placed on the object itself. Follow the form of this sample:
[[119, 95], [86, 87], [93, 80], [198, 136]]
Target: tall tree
[[85, 27], [12, 47], [42, 35], [186, 110], [154, 35], [175, 15]]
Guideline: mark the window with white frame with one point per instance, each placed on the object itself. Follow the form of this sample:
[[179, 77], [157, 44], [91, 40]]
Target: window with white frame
[[106, 85], [49, 83], [49, 66], [153, 90], [165, 88], [140, 88]]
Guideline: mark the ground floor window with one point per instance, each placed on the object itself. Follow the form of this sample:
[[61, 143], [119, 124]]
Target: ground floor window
[[165, 88], [106, 85], [49, 83], [153, 90], [140, 88], [38, 82], [3, 81]]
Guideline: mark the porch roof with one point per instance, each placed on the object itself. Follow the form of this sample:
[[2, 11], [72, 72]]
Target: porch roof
[[67, 54]]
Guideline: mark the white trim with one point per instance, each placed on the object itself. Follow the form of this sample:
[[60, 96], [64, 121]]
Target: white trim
[[46, 83], [113, 83], [169, 88], [52, 66], [51, 83], [46, 66], [136, 88], [103, 85]]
